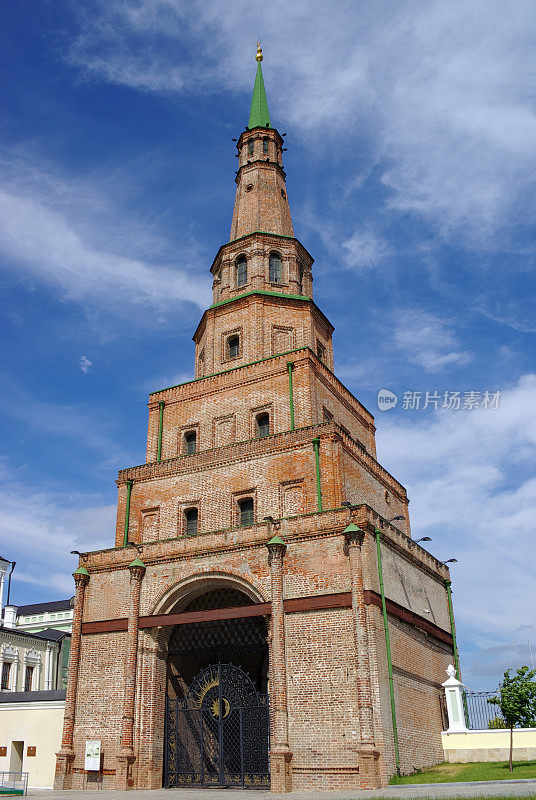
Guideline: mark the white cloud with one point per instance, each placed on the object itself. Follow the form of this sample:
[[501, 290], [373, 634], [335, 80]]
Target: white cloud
[[472, 484], [443, 91], [428, 341], [84, 364], [39, 528], [62, 232], [365, 250]]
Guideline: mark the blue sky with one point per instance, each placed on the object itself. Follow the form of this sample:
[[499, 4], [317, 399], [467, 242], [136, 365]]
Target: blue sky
[[410, 172]]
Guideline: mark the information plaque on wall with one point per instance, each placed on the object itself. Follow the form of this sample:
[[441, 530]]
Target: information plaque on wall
[[93, 755]]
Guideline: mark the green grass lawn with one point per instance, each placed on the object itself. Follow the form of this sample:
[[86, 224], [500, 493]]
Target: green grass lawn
[[478, 771]]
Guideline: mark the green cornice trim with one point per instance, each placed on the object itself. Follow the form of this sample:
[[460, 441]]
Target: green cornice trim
[[261, 292], [232, 369], [265, 233]]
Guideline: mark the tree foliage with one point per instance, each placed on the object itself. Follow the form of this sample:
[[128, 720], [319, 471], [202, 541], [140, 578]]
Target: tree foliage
[[516, 698]]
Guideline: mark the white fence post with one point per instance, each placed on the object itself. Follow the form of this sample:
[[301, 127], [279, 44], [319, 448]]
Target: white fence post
[[453, 694]]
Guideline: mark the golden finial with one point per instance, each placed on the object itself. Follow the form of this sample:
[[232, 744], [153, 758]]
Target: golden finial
[[259, 56]]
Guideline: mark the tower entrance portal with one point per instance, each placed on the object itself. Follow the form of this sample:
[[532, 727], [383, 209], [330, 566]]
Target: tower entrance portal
[[217, 717]]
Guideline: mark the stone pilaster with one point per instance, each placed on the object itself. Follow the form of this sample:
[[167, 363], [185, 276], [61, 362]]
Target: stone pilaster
[[65, 757], [368, 755], [280, 754], [126, 757]]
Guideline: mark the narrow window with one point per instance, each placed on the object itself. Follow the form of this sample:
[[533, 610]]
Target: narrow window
[[28, 679], [265, 145], [275, 268], [320, 351], [233, 347], [241, 271], [6, 667], [250, 147], [262, 425], [202, 362], [327, 416], [190, 443], [191, 521], [246, 512]]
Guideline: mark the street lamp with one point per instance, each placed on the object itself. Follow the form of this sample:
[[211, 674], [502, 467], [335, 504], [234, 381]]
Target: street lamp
[[450, 561], [423, 539], [138, 547], [83, 556], [271, 521]]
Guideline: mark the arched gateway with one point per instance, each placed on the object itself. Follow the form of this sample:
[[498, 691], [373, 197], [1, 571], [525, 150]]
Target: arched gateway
[[258, 526], [216, 712]]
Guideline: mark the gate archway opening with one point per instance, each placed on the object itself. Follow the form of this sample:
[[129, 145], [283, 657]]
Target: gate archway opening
[[217, 716]]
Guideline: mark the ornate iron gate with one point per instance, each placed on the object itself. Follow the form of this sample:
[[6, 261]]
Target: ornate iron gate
[[218, 735]]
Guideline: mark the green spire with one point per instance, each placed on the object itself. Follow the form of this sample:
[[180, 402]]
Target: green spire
[[259, 116]]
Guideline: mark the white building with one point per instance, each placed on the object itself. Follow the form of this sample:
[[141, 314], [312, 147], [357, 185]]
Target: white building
[[34, 652]]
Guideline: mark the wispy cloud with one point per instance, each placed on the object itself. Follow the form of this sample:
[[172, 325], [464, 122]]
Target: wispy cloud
[[84, 363], [62, 233], [80, 424], [38, 529], [365, 250], [428, 341], [452, 113], [472, 484]]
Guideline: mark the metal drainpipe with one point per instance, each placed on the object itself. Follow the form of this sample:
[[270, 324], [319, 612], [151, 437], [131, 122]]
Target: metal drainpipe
[[453, 630], [290, 367], [127, 513], [388, 648], [316, 445], [161, 405]]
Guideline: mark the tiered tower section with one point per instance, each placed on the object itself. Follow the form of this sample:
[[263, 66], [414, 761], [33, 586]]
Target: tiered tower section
[[261, 479]]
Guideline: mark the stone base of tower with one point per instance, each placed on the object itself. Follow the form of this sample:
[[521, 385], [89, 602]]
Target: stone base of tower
[[64, 769], [364, 773], [280, 770], [123, 777]]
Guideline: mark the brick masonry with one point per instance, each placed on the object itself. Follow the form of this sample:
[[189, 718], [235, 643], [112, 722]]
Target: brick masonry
[[330, 709]]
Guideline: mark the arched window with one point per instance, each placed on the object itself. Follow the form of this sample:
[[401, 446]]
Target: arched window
[[190, 442], [262, 425], [191, 516], [275, 268], [246, 510], [250, 147], [28, 678], [241, 271], [265, 145], [6, 669]]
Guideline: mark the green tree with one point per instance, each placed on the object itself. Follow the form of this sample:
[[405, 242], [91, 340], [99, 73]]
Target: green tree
[[516, 697]]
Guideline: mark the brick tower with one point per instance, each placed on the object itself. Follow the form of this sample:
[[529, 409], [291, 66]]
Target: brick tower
[[265, 617]]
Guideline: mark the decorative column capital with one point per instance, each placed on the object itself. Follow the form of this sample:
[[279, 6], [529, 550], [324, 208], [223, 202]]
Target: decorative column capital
[[81, 576], [276, 548], [353, 535], [137, 569]]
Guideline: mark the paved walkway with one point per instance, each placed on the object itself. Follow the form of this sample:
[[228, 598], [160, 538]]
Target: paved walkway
[[522, 788]]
